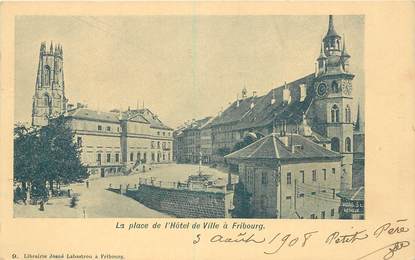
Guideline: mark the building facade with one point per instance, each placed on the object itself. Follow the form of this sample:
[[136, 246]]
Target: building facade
[[206, 142], [111, 142], [289, 176], [324, 98], [193, 142], [114, 142]]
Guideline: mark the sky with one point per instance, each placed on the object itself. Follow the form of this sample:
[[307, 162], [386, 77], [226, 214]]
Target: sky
[[180, 67]]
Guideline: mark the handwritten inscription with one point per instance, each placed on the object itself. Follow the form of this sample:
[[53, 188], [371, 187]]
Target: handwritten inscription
[[337, 237], [274, 243], [390, 249], [279, 240], [391, 229]]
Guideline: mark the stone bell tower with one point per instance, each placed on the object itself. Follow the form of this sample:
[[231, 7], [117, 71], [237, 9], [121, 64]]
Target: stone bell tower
[[49, 99], [334, 99]]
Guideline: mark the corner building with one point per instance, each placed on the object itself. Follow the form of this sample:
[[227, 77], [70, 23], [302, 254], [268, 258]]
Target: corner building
[[324, 99]]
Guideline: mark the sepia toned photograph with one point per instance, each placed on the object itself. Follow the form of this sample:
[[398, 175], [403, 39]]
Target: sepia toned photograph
[[189, 117]]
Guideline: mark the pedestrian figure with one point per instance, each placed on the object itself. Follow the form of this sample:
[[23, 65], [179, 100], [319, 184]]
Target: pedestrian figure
[[42, 207], [24, 196], [87, 184], [69, 193], [17, 194]]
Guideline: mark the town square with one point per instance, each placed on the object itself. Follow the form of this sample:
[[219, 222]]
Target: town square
[[123, 136]]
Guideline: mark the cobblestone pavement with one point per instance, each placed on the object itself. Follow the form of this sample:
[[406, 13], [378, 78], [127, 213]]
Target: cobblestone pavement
[[97, 202]]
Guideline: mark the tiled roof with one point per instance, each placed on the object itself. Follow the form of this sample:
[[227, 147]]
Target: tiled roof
[[353, 194], [318, 138], [88, 114], [154, 121], [198, 124], [263, 112], [271, 147], [208, 123]]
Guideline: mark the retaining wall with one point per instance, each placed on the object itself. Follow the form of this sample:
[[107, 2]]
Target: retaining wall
[[184, 203]]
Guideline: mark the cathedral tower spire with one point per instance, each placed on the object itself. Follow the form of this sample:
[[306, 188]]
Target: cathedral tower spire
[[49, 98]]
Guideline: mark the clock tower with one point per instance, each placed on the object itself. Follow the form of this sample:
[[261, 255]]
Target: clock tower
[[334, 100]]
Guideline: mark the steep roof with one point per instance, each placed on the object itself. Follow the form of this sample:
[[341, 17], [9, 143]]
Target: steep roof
[[242, 116], [89, 114], [331, 32], [198, 124], [271, 147]]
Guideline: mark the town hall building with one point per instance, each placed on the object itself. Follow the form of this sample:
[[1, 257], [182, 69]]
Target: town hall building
[[111, 142]]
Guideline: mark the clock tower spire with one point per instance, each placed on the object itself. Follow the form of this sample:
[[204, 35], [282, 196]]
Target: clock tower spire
[[334, 99]]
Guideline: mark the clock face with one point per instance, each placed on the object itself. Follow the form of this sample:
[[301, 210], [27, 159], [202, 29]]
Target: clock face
[[322, 89], [347, 87]]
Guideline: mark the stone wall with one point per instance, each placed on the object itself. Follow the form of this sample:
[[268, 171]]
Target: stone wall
[[184, 203]]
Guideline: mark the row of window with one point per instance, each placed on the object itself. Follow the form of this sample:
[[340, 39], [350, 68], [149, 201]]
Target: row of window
[[264, 176], [313, 175], [164, 133], [335, 118], [116, 157], [335, 144], [164, 145], [108, 158], [107, 128], [322, 214], [153, 157]]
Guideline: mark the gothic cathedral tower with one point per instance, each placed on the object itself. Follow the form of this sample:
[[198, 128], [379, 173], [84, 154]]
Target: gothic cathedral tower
[[334, 100], [49, 99]]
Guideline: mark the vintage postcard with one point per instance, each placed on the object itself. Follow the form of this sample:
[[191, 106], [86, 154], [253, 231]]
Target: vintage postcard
[[205, 130]]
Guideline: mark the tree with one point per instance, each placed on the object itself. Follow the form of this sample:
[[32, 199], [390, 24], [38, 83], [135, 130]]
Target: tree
[[242, 202], [47, 155]]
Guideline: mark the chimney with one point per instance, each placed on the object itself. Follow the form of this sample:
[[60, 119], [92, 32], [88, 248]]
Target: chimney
[[303, 92], [254, 93], [286, 94], [284, 140], [273, 97], [244, 91], [295, 148], [237, 100], [305, 129]]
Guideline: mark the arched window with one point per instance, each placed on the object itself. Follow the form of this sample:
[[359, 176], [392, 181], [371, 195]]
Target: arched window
[[45, 100], [335, 87], [348, 144], [335, 144], [348, 114], [47, 75], [335, 114]]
